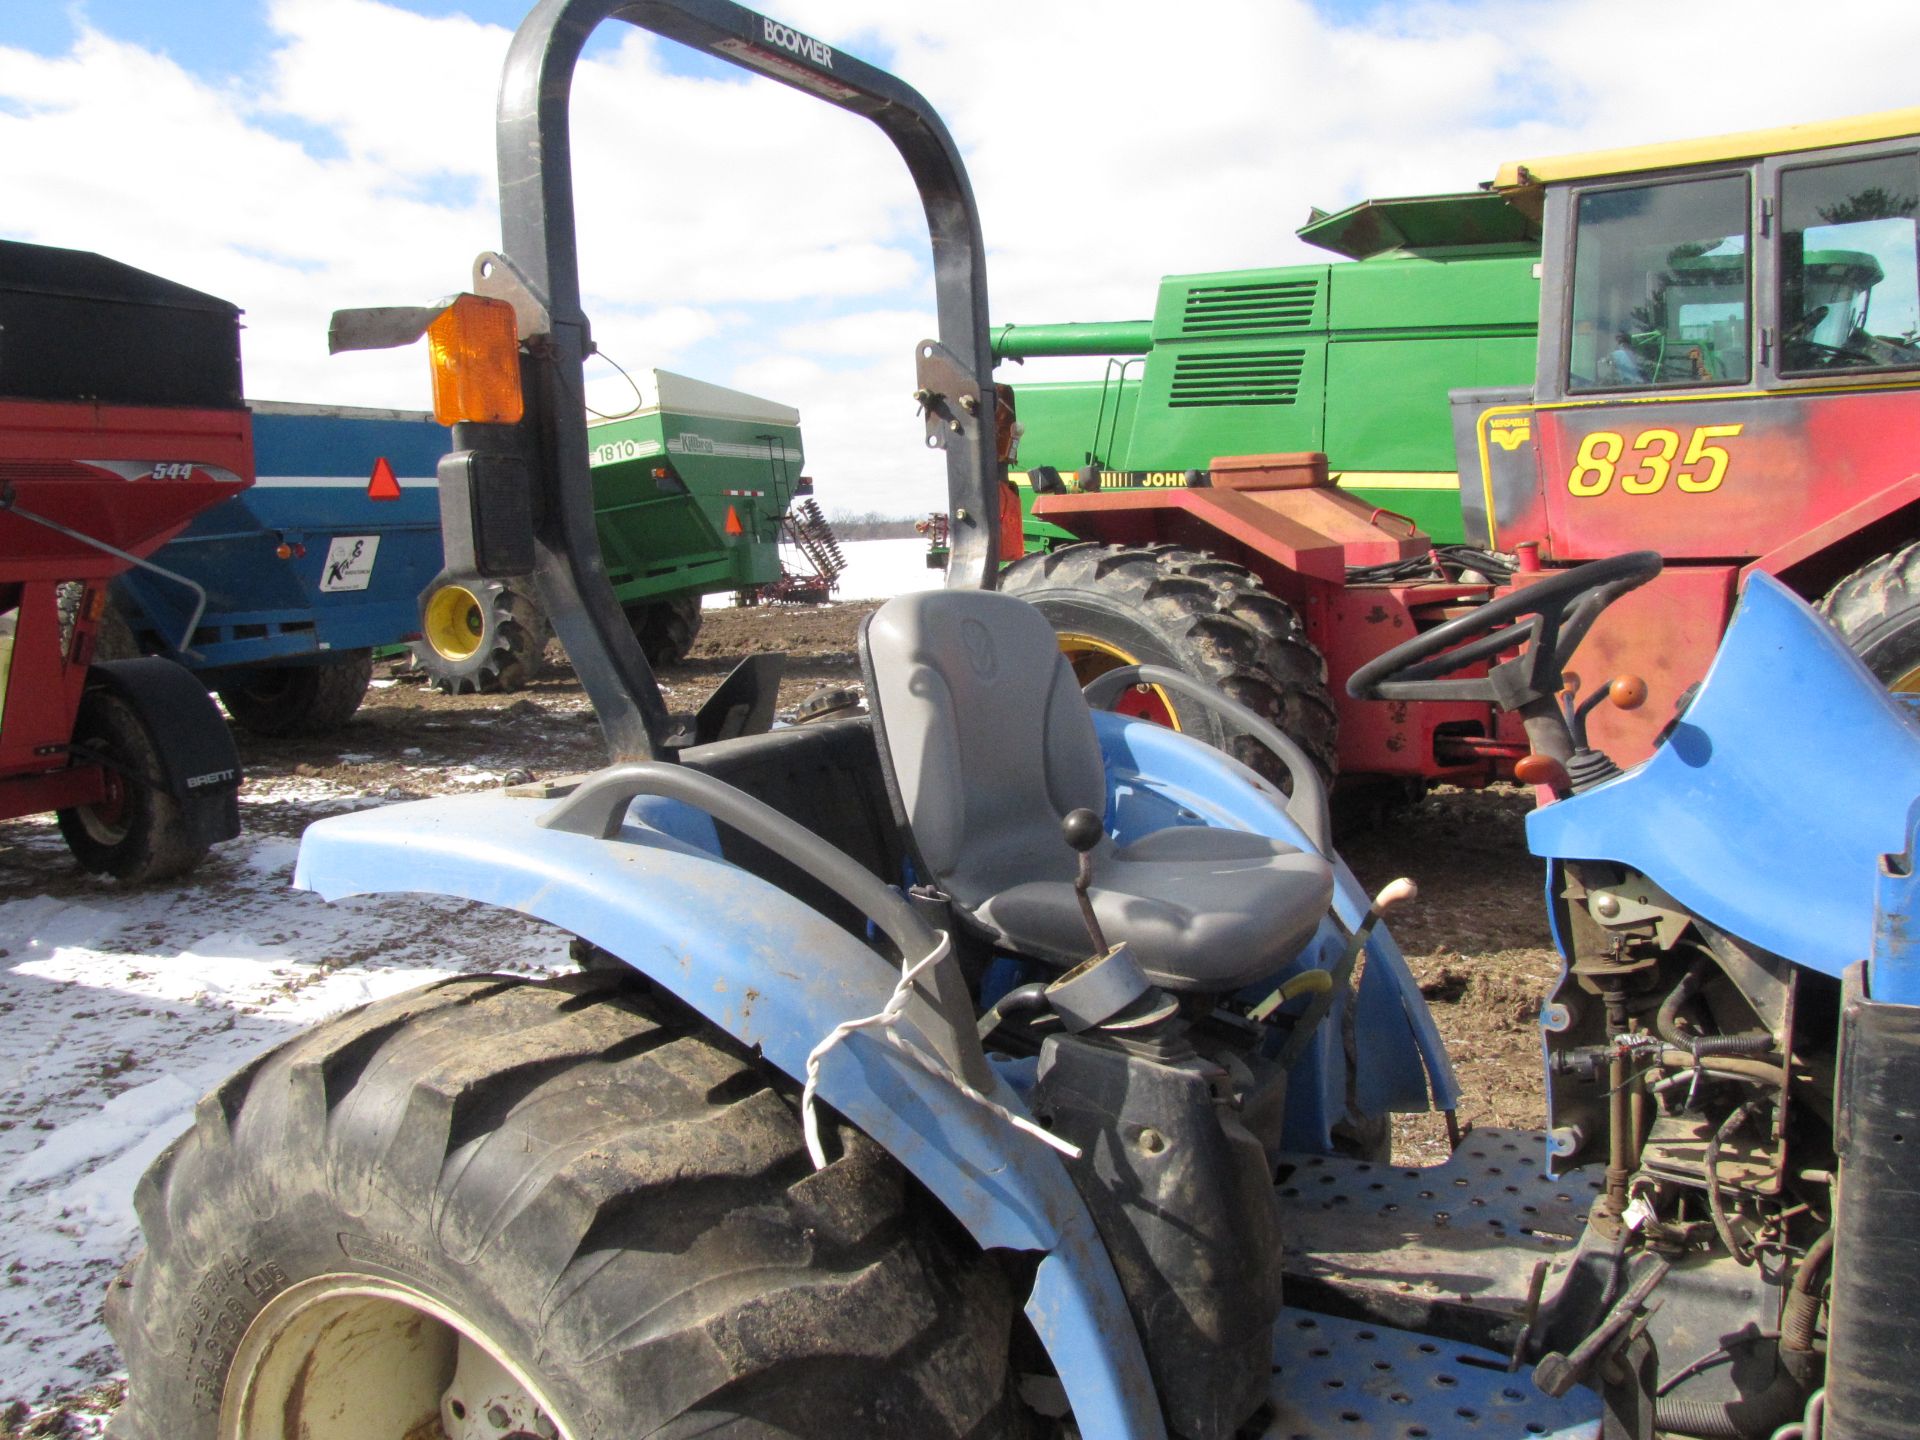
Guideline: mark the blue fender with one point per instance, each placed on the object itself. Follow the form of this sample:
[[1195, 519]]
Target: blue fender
[[778, 975], [1770, 807], [1157, 777]]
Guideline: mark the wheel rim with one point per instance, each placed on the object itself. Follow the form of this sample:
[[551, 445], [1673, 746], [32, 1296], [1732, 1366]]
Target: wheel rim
[[1091, 658], [1907, 684], [107, 823], [345, 1357], [454, 622]]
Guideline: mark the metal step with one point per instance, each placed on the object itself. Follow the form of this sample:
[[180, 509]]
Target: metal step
[[1348, 1380], [1448, 1249]]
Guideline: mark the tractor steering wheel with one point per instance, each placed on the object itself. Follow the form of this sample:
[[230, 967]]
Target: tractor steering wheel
[[1545, 621]]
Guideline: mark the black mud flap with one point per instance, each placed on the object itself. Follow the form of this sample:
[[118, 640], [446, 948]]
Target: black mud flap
[[198, 761]]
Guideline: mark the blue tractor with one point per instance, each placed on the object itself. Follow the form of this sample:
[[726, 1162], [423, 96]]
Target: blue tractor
[[994, 1065]]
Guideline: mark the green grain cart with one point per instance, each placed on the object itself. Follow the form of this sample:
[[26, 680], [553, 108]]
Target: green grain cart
[[1354, 360], [690, 490]]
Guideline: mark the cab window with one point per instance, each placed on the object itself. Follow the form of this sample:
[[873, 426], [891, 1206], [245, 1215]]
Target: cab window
[[1848, 268], [1660, 286]]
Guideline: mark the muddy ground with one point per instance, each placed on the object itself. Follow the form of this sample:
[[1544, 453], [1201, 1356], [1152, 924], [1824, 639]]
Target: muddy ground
[[1476, 937]]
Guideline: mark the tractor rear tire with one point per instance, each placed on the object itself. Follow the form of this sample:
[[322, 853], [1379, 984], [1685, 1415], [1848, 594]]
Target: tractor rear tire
[[141, 832], [480, 637], [1876, 609], [568, 1183], [278, 700], [1116, 605], [666, 629]]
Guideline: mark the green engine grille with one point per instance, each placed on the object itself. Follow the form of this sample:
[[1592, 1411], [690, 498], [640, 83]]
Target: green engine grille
[[1257, 306], [1260, 377]]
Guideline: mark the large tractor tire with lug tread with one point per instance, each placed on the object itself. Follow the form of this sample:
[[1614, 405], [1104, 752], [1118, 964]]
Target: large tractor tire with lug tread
[[666, 629], [141, 832], [276, 700], [1876, 609], [480, 637], [1117, 605], [566, 1199]]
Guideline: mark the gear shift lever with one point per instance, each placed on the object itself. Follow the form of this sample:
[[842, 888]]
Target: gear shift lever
[[1082, 830]]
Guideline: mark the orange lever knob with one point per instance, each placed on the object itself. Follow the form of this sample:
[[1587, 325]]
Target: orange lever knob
[[1537, 769], [1627, 692]]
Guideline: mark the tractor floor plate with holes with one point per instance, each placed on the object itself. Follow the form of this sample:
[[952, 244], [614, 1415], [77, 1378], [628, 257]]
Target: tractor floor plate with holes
[[1345, 1380], [1448, 1247]]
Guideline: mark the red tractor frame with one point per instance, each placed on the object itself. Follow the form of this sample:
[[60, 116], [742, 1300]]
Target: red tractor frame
[[120, 420]]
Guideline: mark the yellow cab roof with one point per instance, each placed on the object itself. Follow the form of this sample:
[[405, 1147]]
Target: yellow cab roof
[[1523, 175]]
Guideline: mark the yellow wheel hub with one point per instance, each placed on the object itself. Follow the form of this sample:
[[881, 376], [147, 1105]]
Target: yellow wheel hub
[[1907, 684], [1091, 658], [454, 622]]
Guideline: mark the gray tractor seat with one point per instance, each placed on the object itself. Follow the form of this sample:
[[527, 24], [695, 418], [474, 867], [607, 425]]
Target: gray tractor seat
[[986, 744]]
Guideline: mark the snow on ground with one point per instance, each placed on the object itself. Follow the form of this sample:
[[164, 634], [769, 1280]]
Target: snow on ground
[[122, 1007], [119, 1008], [876, 569]]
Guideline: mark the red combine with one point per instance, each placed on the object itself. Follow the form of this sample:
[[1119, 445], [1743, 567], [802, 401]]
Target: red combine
[[120, 420], [1728, 374]]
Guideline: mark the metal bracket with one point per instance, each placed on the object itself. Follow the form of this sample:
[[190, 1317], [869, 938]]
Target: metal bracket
[[185, 646], [498, 278], [947, 392], [380, 327]]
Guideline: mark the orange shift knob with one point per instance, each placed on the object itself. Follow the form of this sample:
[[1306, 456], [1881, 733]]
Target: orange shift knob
[[1627, 692]]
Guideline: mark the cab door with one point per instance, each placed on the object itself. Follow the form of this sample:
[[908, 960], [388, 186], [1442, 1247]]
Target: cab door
[[1734, 363]]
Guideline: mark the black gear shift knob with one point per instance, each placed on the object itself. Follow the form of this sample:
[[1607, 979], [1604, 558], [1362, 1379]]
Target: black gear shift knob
[[1082, 829]]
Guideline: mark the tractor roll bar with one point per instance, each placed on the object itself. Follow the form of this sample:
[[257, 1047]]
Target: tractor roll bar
[[540, 271]]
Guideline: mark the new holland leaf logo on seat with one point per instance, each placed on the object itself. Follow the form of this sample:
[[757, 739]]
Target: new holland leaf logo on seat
[[979, 645]]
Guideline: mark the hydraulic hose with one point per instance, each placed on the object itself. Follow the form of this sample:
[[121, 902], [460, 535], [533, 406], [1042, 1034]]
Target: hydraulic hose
[[1716, 1206], [1784, 1399], [1744, 1419], [1667, 1020], [1801, 1314], [1727, 1067], [1753, 1042]]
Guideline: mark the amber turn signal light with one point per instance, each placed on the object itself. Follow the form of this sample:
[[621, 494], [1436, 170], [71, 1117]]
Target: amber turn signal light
[[474, 348]]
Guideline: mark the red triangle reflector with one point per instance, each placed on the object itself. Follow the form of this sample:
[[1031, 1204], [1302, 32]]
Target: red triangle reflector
[[733, 522], [383, 485]]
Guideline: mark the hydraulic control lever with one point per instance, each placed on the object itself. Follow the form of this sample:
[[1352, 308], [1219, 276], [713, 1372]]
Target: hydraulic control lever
[[1393, 893], [1556, 1373], [1082, 830]]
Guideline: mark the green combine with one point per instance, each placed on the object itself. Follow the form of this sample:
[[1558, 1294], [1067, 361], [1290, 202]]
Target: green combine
[[693, 490], [1351, 359]]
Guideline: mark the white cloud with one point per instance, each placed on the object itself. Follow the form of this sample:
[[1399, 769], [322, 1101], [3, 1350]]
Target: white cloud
[[754, 236], [867, 333]]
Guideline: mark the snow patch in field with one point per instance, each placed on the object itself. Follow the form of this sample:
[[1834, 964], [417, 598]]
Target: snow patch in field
[[160, 1106], [122, 1007]]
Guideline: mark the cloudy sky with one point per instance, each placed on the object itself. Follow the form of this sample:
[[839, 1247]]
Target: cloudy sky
[[295, 156]]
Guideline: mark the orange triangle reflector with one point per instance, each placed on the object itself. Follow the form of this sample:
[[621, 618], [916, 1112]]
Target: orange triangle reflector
[[383, 485], [733, 522]]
